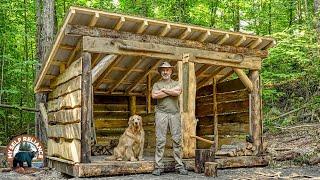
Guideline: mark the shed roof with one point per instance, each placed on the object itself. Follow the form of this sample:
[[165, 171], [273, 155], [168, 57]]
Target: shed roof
[[66, 48]]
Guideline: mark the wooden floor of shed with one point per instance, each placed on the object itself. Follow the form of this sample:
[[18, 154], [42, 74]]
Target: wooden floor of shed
[[101, 167]]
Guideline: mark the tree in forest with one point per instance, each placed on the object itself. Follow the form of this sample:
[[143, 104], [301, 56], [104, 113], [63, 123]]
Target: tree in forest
[[45, 34]]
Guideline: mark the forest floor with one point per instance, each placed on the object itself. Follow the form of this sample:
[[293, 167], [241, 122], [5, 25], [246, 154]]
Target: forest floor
[[295, 153]]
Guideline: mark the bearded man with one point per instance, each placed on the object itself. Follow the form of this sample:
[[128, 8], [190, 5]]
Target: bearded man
[[167, 92]]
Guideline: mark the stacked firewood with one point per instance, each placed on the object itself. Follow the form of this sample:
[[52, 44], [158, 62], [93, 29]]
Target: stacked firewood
[[236, 149], [107, 149]]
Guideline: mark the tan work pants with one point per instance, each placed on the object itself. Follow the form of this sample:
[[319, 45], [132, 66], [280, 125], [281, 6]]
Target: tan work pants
[[162, 120]]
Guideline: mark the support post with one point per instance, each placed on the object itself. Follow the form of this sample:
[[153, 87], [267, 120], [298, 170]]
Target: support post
[[86, 108], [149, 94], [187, 79], [133, 105], [215, 114], [256, 120]]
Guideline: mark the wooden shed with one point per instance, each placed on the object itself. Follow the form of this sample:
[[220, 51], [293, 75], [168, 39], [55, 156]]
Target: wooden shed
[[101, 69]]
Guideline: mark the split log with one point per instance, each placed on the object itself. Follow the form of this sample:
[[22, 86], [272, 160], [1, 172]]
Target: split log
[[71, 100], [68, 131], [70, 86], [210, 169], [202, 156], [75, 69], [65, 149], [65, 116]]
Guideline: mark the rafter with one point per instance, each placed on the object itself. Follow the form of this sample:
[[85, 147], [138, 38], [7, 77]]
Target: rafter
[[185, 33], [212, 75], [240, 41], [120, 23], [255, 43], [224, 39], [202, 70], [165, 30], [94, 19], [139, 79], [225, 76], [134, 65], [143, 27], [106, 72], [204, 36], [74, 52]]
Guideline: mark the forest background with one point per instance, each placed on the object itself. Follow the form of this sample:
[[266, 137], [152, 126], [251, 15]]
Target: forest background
[[291, 73]]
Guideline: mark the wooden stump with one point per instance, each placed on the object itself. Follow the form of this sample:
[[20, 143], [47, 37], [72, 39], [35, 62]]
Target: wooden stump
[[202, 156], [210, 169]]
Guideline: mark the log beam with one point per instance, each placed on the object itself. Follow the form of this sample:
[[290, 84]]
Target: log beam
[[244, 78], [99, 81], [98, 70], [161, 39], [256, 120], [135, 48], [86, 108]]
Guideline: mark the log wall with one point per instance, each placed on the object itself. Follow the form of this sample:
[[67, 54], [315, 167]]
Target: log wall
[[233, 113], [64, 114], [111, 114]]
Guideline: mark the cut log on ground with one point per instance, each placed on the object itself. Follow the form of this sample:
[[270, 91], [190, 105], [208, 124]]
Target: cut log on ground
[[210, 169], [203, 156]]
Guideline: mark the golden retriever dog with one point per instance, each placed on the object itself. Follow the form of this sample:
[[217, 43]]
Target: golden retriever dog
[[131, 142]]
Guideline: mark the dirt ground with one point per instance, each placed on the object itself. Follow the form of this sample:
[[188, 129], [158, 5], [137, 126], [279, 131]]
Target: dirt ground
[[295, 152]]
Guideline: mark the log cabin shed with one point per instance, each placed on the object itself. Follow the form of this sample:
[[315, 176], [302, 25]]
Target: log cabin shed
[[101, 69]]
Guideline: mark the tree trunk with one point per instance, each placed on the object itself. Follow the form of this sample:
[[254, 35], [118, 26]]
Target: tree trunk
[[45, 35]]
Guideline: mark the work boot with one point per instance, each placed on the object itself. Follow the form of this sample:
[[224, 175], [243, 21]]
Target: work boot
[[182, 171], [157, 172]]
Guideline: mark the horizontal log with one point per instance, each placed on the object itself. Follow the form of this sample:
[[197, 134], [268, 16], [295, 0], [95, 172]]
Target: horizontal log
[[221, 97], [75, 69], [109, 33], [243, 161], [117, 107], [226, 86], [225, 107], [68, 87], [101, 124], [65, 116], [64, 149], [224, 129], [137, 48], [71, 100], [242, 117], [68, 131]]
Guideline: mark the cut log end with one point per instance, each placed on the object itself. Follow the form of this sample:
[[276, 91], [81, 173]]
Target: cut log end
[[210, 169]]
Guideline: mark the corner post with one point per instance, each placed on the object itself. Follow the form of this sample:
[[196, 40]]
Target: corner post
[[86, 108], [256, 119], [215, 114], [187, 79]]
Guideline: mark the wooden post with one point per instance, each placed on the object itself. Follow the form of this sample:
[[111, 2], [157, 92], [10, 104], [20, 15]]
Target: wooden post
[[256, 120], [215, 114], [86, 108], [133, 106], [149, 94], [187, 80]]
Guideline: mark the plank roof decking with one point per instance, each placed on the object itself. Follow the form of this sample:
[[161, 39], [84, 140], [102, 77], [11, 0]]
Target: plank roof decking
[[130, 70]]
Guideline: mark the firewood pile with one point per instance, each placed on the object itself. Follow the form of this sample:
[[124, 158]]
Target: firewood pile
[[98, 149], [236, 149]]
